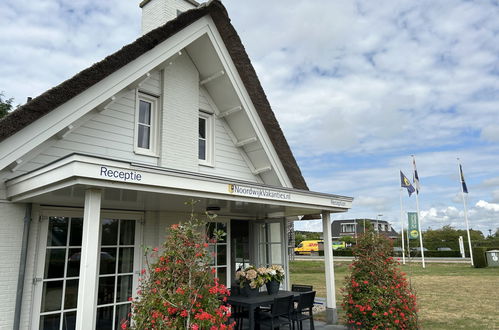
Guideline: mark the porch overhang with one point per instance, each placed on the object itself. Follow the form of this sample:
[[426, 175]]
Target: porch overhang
[[150, 183]]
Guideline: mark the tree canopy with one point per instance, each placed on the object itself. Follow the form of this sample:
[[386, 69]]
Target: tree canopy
[[5, 105]]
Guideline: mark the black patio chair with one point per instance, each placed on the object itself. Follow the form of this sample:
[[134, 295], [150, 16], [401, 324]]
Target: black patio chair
[[278, 315], [301, 288], [303, 310]]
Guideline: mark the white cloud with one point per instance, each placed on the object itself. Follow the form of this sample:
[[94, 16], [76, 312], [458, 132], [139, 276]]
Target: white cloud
[[488, 206]]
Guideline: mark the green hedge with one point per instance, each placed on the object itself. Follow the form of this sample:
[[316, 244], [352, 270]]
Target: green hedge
[[479, 258]]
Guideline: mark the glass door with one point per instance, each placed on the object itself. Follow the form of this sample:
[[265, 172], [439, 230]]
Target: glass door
[[219, 250], [58, 269], [118, 268], [61, 268]]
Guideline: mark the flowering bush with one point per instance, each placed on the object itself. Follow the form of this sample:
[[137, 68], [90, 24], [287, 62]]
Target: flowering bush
[[274, 273], [376, 294], [252, 276], [179, 290]]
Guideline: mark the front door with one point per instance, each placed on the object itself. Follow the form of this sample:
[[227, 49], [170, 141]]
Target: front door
[[58, 269]]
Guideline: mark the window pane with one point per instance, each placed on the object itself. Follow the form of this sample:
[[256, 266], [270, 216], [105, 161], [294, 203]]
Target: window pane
[[124, 288], [106, 290], [275, 232], [223, 227], [50, 322], [145, 112], [125, 263], [107, 261], [58, 231], [54, 263], [202, 149], [52, 296], [71, 294], [104, 318], [74, 257], [76, 232], [143, 140], [69, 321], [222, 275], [202, 128], [276, 253], [109, 232], [122, 312], [127, 232], [221, 255]]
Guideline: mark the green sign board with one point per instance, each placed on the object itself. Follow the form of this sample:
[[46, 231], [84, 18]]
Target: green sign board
[[412, 229]]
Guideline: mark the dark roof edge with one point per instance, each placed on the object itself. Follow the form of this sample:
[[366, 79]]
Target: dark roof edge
[[60, 94]]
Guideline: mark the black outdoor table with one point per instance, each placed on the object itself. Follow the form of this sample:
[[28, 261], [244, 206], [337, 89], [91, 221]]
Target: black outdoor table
[[252, 303]]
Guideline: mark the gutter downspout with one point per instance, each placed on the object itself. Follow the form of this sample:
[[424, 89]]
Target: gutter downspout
[[22, 267]]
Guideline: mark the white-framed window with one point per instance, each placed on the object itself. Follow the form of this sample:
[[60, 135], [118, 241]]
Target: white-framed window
[[347, 227], [205, 139], [146, 124]]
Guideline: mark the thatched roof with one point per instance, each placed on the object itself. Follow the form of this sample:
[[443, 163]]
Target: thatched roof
[[70, 88]]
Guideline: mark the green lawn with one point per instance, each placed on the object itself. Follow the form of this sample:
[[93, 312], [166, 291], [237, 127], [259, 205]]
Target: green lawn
[[450, 296]]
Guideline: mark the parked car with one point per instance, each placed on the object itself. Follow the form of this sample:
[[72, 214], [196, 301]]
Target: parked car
[[444, 249]]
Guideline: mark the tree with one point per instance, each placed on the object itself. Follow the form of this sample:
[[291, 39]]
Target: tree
[[5, 105], [179, 290], [376, 293]]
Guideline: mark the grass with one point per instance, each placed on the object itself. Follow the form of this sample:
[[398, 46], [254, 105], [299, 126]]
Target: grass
[[450, 296]]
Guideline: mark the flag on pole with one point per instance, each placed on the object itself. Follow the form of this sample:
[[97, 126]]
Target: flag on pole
[[415, 177], [405, 183], [463, 183]]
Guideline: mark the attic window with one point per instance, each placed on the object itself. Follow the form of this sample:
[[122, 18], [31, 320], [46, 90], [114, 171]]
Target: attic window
[[146, 123]]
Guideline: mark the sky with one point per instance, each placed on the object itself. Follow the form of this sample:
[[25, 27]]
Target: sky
[[357, 86]]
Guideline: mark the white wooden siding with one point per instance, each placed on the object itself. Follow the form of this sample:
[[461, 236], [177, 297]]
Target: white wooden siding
[[228, 159]]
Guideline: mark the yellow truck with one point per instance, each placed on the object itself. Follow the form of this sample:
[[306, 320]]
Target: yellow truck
[[309, 247], [314, 246]]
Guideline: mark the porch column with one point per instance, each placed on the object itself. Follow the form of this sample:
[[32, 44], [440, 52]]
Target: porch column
[[331, 312], [89, 261]]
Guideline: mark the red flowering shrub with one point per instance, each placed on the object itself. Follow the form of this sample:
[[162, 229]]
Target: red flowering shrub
[[377, 294], [179, 290]]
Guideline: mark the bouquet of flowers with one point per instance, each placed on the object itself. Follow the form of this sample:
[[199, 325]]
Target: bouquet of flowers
[[251, 276], [274, 273]]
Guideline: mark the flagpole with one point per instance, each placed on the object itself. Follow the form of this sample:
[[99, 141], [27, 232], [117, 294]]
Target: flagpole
[[461, 178], [419, 218], [402, 222]]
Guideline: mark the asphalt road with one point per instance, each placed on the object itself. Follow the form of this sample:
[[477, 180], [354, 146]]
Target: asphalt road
[[413, 259]]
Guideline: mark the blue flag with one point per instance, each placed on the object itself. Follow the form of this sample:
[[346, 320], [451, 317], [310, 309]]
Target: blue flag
[[405, 183], [465, 189]]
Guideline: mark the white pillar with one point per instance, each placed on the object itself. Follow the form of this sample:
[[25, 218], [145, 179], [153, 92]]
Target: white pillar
[[331, 312], [89, 261]]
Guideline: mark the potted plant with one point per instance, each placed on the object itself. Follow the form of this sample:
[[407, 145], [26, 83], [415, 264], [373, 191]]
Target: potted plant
[[250, 280], [274, 275]]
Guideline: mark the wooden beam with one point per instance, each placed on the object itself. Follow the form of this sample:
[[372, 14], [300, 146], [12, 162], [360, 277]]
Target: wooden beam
[[14, 166], [64, 132], [106, 104], [214, 76], [262, 170], [247, 141], [230, 111]]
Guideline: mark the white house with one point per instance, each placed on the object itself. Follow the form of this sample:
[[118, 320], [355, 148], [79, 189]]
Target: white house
[[101, 164]]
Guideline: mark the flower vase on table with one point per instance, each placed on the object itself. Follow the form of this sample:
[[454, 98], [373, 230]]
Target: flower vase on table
[[248, 291], [250, 281], [272, 287]]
